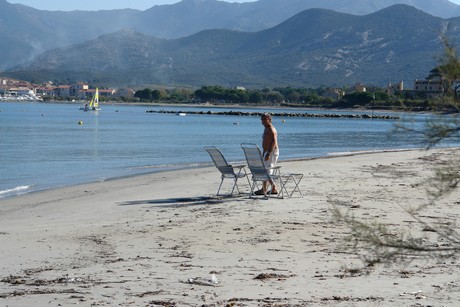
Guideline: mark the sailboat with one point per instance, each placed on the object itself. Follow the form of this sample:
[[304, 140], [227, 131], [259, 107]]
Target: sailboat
[[93, 104]]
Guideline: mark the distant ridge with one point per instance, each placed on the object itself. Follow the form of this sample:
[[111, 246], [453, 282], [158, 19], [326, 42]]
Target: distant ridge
[[316, 47], [26, 32]]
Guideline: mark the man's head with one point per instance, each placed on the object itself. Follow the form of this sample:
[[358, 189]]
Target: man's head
[[266, 119], [266, 116]]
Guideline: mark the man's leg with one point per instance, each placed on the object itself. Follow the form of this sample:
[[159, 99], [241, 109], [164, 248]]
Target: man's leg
[[271, 162]]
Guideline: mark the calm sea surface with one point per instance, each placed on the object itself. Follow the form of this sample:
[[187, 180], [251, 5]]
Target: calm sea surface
[[42, 145]]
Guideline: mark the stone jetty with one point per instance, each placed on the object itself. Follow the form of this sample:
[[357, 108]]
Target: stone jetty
[[283, 114]]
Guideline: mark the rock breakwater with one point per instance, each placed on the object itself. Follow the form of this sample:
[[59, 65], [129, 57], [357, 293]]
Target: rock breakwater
[[283, 114]]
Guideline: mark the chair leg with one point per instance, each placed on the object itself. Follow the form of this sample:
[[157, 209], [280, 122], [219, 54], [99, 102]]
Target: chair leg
[[296, 186], [235, 185], [218, 190], [282, 188], [253, 185]]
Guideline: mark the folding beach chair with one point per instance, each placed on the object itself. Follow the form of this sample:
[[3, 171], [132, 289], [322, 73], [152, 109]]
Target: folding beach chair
[[234, 172], [259, 172], [292, 181]]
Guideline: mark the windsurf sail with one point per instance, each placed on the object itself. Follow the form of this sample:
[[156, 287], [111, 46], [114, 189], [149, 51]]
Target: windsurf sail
[[95, 100]]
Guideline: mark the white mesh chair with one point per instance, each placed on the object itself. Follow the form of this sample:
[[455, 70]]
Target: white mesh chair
[[228, 171], [259, 172]]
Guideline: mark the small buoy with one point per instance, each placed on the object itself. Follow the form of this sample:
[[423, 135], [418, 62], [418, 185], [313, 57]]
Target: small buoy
[[283, 120], [80, 122]]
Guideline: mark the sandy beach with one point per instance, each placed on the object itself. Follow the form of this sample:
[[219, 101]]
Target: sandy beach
[[165, 239]]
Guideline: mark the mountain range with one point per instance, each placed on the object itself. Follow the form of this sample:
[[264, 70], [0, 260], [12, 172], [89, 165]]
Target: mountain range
[[314, 47], [26, 32]]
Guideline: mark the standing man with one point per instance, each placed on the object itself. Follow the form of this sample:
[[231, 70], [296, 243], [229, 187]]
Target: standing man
[[270, 151]]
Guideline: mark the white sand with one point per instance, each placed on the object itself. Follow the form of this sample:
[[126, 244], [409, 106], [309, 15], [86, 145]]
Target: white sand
[[155, 240]]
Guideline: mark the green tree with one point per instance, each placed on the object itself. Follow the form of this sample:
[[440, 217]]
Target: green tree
[[220, 94], [180, 95], [358, 98], [144, 95], [450, 69], [255, 97], [273, 97], [156, 95], [381, 96], [293, 97]]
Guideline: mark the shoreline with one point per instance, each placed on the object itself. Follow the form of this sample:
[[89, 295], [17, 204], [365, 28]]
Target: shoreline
[[22, 188], [184, 167], [166, 239]]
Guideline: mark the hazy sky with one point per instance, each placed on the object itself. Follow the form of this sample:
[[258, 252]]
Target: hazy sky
[[94, 5]]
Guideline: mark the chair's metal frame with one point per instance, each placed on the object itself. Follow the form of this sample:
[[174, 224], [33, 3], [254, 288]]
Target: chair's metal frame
[[259, 172], [295, 178], [228, 171]]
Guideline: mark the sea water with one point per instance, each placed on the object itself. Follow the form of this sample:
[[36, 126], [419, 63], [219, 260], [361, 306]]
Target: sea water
[[46, 145]]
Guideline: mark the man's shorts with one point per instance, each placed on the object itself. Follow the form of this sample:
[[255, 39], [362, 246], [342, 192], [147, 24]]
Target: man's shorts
[[271, 162]]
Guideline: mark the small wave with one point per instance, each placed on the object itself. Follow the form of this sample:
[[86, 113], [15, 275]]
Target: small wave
[[359, 152], [169, 166], [16, 190]]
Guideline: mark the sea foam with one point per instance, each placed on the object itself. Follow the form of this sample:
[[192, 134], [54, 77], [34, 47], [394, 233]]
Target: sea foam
[[14, 191]]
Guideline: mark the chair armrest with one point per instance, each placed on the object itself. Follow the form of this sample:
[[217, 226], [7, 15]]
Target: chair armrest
[[238, 165], [293, 174]]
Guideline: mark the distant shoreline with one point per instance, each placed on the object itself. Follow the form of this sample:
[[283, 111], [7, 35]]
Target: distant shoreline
[[240, 106]]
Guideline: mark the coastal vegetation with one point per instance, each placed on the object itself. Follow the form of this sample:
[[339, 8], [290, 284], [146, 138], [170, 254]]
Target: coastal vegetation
[[427, 237], [374, 98]]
